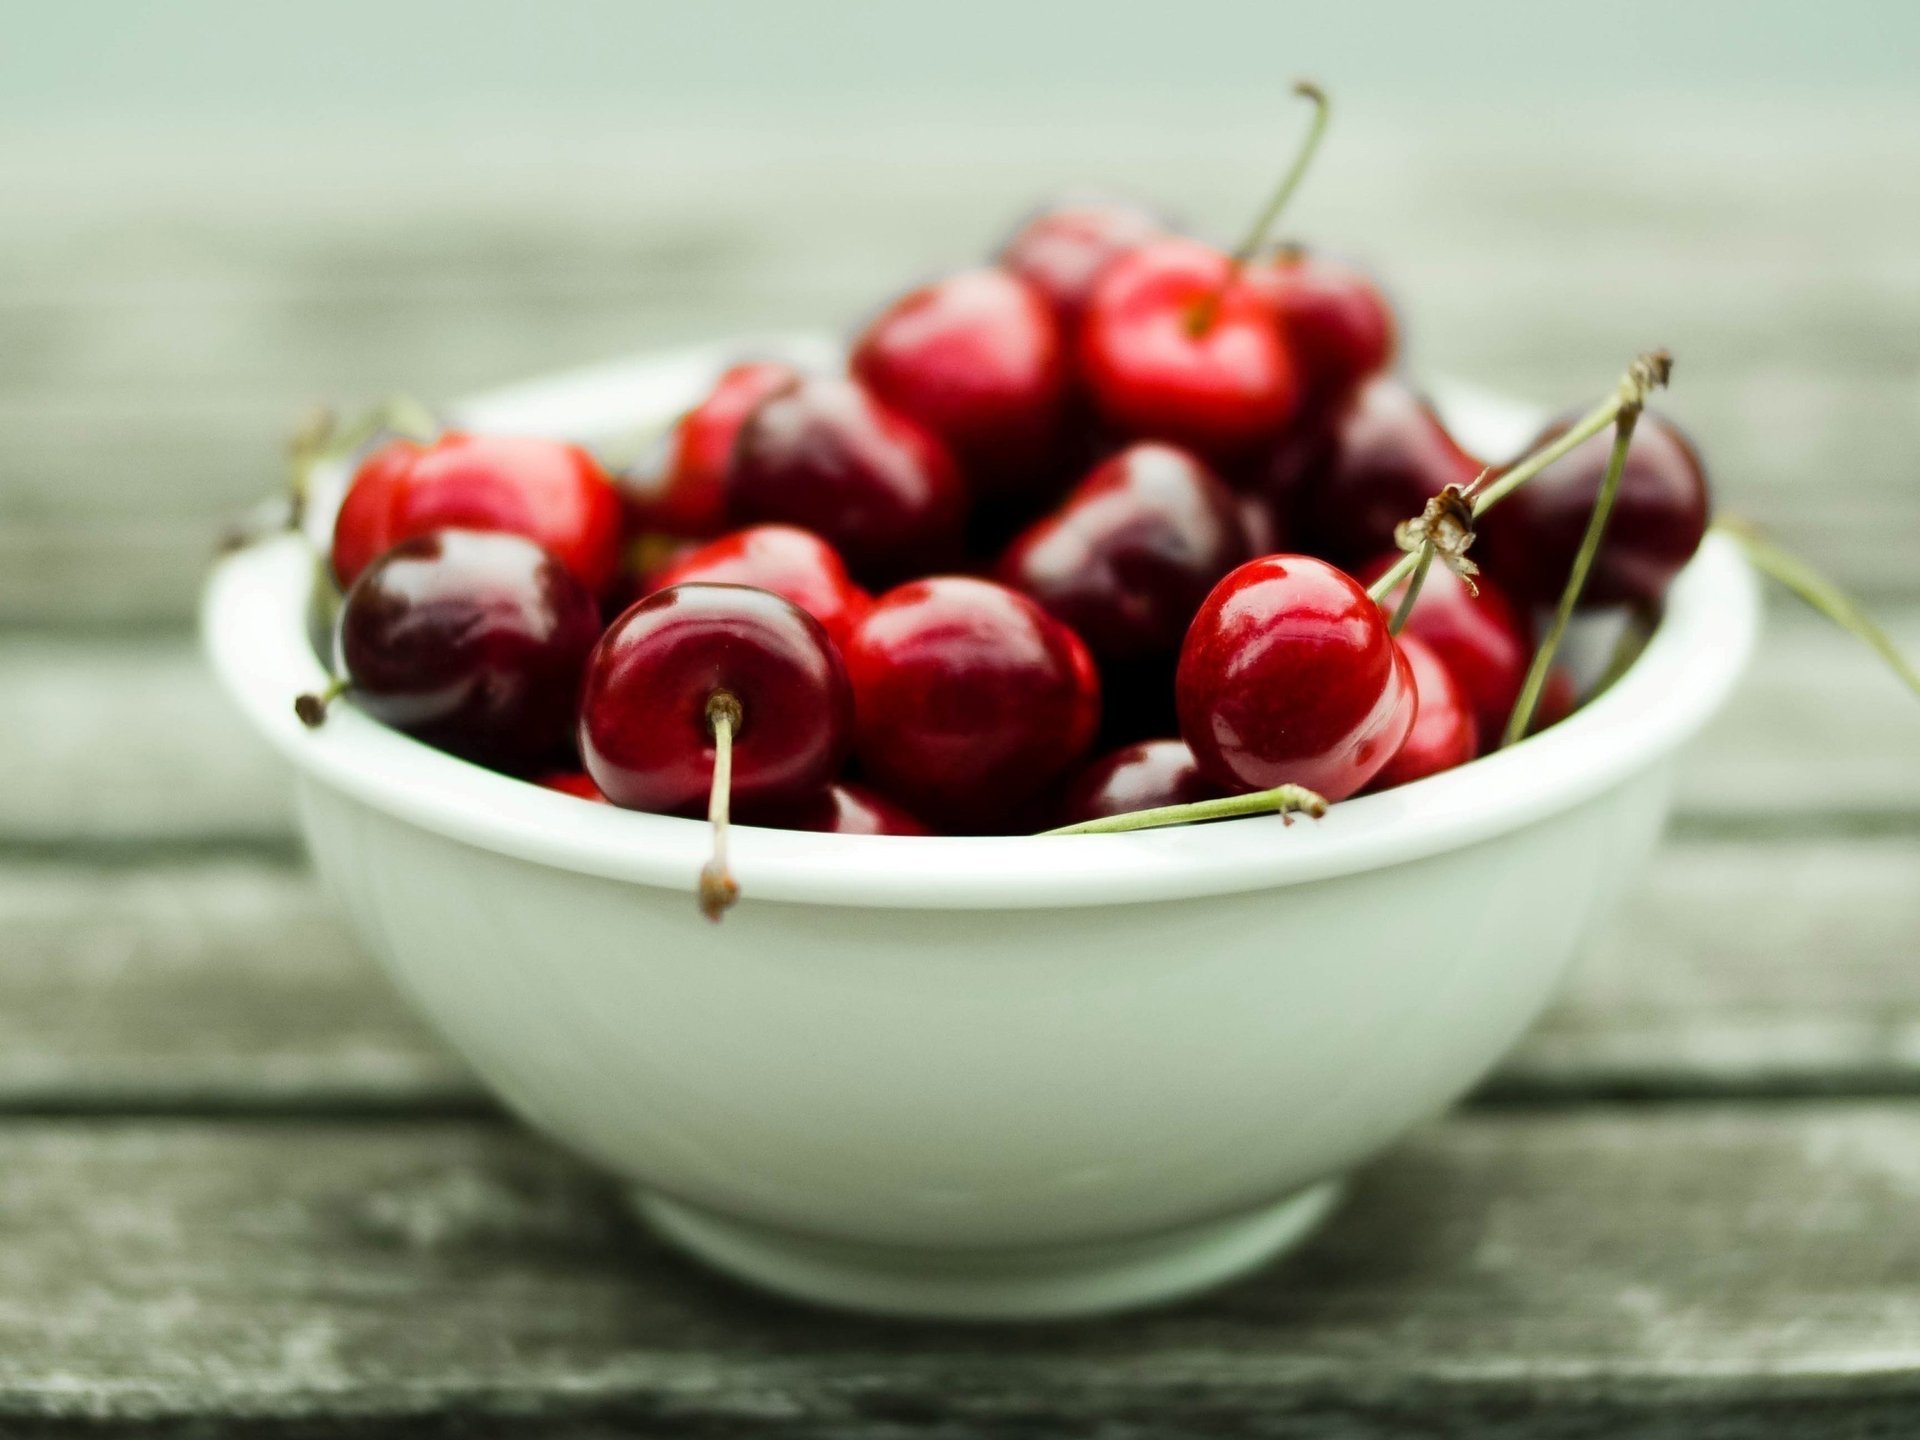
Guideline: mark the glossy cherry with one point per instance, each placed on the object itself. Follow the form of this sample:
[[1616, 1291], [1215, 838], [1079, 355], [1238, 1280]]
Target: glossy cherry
[[1444, 732], [1177, 344], [1528, 541], [1479, 637], [681, 489], [646, 734], [553, 493], [977, 358], [1336, 323], [1142, 776], [794, 563], [971, 700], [1288, 676], [1383, 458], [1131, 554], [472, 641], [826, 455], [844, 809], [1061, 250]]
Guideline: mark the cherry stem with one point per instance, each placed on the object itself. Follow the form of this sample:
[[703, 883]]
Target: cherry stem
[[1776, 562], [1286, 801], [1543, 657], [1649, 372], [1419, 577], [1204, 313], [718, 889], [312, 707]]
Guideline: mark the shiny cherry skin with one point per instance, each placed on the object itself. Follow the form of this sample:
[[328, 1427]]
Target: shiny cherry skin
[[843, 809], [553, 493], [681, 490], [1660, 514], [1142, 776], [1175, 345], [977, 358], [1480, 638], [1386, 455], [576, 783], [1338, 326], [1061, 250], [828, 456], [472, 641], [1131, 554], [1444, 733], [645, 736], [1289, 677], [971, 700], [794, 563]]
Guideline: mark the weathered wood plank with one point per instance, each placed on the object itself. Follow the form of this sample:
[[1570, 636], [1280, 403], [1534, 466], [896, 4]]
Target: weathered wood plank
[[166, 316], [213, 986], [118, 741], [1498, 1275]]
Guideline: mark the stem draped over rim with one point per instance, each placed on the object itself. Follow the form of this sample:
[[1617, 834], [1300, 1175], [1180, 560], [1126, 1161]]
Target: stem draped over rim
[[718, 889], [1286, 801]]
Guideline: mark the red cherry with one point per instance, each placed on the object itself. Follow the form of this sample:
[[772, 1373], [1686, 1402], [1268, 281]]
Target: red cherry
[[682, 489], [1062, 250], [1178, 345], [1132, 553], [469, 640], [793, 563], [1479, 638], [1142, 776], [1443, 733], [553, 493], [827, 456], [576, 783], [1659, 516], [645, 729], [1386, 455], [976, 358], [844, 809], [1289, 676], [971, 700], [1334, 319]]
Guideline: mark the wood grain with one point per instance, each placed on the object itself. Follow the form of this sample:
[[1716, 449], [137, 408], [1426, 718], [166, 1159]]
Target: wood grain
[[1499, 1274]]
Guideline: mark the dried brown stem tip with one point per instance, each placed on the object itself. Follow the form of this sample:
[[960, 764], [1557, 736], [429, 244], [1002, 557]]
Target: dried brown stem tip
[[1447, 526]]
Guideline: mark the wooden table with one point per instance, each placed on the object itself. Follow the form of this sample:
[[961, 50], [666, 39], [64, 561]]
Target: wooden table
[[241, 1188]]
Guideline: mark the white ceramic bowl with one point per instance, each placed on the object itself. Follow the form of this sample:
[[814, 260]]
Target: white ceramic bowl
[[992, 1078]]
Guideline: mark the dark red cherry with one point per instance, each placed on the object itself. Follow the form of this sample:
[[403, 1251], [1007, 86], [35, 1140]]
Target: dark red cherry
[[1143, 776], [1176, 344], [1131, 554], [682, 489], [1289, 677], [881, 488], [553, 493], [1559, 698], [469, 640], [1386, 455], [1444, 731], [971, 700], [1529, 540], [977, 358], [1480, 638], [1334, 319], [576, 783], [1062, 250], [646, 727], [844, 809], [795, 563], [1260, 522]]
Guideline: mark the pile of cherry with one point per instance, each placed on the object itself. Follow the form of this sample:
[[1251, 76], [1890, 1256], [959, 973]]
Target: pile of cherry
[[1083, 532]]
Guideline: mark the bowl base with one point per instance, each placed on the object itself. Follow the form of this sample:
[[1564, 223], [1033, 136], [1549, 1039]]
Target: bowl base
[[1047, 1283]]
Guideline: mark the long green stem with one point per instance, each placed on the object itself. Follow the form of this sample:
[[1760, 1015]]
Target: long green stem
[[1818, 591], [1422, 564], [1283, 800], [1543, 657]]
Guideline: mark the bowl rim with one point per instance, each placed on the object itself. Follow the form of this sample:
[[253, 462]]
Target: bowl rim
[[254, 628]]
